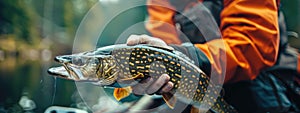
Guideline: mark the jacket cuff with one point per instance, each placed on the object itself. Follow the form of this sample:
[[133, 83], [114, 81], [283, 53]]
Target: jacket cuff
[[196, 55]]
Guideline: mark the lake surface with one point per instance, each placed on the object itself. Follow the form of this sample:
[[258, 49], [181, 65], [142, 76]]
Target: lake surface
[[29, 78]]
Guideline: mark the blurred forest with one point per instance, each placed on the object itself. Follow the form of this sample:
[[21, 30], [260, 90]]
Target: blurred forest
[[32, 32], [37, 24]]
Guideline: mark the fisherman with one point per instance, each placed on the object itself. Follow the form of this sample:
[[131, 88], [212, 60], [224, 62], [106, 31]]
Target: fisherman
[[255, 80]]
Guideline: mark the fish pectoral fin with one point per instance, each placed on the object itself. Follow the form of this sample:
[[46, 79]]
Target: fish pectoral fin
[[196, 110], [169, 99], [120, 93]]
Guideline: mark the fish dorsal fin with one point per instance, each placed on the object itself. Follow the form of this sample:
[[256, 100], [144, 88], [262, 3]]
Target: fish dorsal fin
[[120, 93], [170, 99]]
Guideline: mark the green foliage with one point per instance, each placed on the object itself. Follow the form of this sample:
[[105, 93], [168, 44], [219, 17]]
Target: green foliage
[[14, 19], [30, 20]]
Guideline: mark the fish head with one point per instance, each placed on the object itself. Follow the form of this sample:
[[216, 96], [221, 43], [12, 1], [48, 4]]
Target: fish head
[[101, 70]]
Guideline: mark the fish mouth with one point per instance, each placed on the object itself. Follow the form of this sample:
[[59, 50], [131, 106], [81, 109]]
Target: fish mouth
[[60, 72], [63, 59], [70, 73]]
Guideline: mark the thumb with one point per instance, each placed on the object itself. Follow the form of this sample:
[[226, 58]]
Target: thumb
[[145, 39]]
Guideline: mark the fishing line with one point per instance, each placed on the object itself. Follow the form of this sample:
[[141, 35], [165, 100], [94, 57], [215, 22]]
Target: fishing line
[[54, 91]]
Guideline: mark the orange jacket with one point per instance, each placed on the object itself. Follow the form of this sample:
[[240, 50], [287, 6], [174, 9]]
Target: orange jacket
[[249, 30]]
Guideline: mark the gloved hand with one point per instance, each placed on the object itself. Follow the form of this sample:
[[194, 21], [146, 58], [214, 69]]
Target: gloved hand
[[150, 86]]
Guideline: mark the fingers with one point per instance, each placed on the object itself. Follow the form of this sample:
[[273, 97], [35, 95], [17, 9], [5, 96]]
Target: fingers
[[133, 40], [145, 39], [167, 88], [140, 88], [162, 80], [149, 86]]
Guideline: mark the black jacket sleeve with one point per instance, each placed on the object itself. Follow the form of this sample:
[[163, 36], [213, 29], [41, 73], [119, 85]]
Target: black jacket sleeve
[[196, 55]]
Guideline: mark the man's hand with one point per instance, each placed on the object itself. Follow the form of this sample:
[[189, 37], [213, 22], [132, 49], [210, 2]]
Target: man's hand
[[150, 86], [145, 39]]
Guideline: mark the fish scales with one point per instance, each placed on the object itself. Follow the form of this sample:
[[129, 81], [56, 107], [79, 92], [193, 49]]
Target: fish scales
[[181, 73], [122, 62]]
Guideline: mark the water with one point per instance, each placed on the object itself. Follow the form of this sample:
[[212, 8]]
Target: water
[[29, 79]]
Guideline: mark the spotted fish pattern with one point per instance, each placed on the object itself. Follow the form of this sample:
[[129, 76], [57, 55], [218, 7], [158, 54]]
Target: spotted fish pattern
[[135, 63]]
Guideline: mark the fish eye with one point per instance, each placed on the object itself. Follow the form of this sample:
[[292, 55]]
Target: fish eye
[[78, 61], [95, 61]]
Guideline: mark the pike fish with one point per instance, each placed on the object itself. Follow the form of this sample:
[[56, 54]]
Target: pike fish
[[122, 66]]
